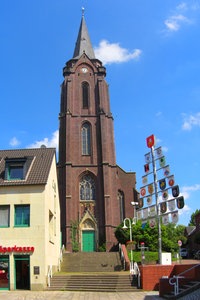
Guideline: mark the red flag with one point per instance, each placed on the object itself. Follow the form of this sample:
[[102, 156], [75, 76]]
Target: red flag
[[150, 141]]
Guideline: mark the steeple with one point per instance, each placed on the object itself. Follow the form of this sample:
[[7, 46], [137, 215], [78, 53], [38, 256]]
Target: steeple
[[83, 43]]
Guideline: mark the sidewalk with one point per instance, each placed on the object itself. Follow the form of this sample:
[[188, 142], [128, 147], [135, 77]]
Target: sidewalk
[[29, 295]]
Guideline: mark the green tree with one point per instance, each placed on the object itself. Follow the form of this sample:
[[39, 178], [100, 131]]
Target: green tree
[[144, 233], [192, 218]]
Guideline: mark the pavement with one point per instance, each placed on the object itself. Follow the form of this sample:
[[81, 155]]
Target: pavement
[[59, 295]]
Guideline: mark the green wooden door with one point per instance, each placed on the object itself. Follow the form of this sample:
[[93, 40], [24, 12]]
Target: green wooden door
[[88, 241]]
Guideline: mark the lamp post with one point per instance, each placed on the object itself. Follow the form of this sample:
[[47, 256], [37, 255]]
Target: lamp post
[[131, 240], [135, 204]]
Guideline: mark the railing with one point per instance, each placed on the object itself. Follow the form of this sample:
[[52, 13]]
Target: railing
[[134, 269], [50, 269], [175, 279], [49, 276], [122, 257], [60, 259], [137, 273]]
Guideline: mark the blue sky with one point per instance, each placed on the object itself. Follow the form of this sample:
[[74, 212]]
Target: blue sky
[[151, 50]]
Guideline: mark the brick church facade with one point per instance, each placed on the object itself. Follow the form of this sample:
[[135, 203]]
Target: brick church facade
[[95, 193]]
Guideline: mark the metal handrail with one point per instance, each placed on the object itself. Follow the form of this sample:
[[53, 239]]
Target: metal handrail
[[137, 272], [49, 276], [60, 259], [134, 268], [175, 279]]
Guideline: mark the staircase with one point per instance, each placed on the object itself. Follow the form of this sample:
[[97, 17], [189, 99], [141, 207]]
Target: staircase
[[92, 282], [91, 262], [93, 271]]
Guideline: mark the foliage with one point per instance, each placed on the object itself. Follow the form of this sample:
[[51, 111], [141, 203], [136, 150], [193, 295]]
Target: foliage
[[144, 233], [192, 219], [149, 256], [197, 238], [74, 236]]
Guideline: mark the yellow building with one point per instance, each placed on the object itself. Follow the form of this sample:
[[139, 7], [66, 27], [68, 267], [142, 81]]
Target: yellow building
[[29, 218]]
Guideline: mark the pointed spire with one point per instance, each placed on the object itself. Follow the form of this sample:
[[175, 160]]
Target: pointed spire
[[83, 43]]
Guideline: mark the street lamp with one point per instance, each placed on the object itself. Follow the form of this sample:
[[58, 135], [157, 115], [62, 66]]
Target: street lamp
[[135, 204], [130, 223]]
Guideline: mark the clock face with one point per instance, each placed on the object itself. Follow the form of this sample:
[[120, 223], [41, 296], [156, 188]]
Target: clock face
[[84, 70]]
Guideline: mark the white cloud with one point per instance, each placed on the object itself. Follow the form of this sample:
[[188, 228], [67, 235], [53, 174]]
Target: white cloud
[[183, 14], [52, 142], [113, 53], [173, 23], [191, 121], [182, 6], [14, 142], [191, 188], [186, 193], [185, 210]]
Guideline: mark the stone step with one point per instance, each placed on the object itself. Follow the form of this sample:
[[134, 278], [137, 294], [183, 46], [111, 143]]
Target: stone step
[[91, 262], [94, 282]]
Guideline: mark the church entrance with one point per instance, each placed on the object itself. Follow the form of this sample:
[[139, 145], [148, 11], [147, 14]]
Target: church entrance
[[88, 240]]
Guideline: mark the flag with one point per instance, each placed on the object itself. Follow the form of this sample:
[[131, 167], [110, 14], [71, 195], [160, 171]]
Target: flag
[[165, 195], [146, 168], [145, 213], [140, 202], [144, 179], [152, 211], [171, 180], [163, 207], [152, 222], [143, 191], [180, 202], [166, 171], [150, 188], [165, 219], [139, 214], [159, 152], [162, 162], [162, 184], [150, 141], [149, 200], [175, 191], [171, 205], [148, 158], [174, 216]]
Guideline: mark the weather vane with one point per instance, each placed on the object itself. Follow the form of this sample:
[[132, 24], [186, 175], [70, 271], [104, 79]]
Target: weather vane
[[83, 10]]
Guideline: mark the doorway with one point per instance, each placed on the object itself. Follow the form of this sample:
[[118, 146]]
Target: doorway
[[22, 272], [88, 240]]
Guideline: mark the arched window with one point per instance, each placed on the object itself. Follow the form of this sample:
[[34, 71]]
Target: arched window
[[86, 139], [121, 205], [87, 188], [85, 94]]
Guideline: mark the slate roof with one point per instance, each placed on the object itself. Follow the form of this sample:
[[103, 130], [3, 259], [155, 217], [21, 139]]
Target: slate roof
[[83, 43], [38, 166]]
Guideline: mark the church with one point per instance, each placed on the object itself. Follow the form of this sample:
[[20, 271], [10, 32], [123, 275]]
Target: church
[[95, 193]]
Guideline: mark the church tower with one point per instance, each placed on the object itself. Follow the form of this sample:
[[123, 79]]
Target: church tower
[[95, 193]]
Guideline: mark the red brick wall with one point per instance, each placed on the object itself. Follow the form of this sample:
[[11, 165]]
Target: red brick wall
[[151, 276]]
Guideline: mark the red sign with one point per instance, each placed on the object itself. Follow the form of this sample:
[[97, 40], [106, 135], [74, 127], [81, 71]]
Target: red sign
[[16, 249], [150, 141]]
